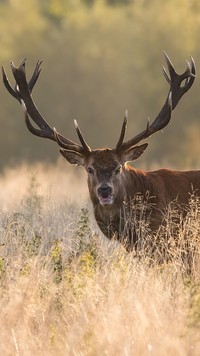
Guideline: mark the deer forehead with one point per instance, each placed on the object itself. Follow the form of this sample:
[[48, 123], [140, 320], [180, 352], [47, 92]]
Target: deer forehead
[[104, 159]]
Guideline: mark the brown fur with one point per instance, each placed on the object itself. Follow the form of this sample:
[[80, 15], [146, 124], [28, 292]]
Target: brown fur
[[157, 188]]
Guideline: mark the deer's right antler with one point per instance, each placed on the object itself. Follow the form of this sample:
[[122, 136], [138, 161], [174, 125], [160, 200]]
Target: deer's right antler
[[22, 92]]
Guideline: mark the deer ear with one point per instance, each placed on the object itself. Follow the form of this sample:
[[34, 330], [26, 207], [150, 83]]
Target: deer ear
[[73, 157], [134, 153]]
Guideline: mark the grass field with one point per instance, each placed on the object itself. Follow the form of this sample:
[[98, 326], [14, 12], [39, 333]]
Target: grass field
[[66, 290]]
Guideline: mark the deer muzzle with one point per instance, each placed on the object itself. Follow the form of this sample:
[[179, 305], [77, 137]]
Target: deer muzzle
[[105, 194]]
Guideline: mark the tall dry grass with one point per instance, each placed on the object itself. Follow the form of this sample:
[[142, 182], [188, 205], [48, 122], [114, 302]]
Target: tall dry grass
[[66, 290]]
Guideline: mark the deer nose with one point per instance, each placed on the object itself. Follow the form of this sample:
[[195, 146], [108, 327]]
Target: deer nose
[[104, 190]]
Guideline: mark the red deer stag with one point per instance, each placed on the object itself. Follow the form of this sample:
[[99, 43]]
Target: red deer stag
[[113, 184]]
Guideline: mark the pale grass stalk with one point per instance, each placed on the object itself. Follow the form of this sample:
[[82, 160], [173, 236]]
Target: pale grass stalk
[[15, 341]]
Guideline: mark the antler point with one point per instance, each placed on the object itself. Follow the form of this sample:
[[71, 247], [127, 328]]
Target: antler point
[[24, 60], [166, 55], [3, 71], [126, 116]]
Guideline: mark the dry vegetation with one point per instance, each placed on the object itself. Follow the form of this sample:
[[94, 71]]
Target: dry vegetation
[[66, 290]]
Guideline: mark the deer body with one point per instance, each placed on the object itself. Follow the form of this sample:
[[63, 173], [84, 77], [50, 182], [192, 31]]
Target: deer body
[[115, 187], [160, 188]]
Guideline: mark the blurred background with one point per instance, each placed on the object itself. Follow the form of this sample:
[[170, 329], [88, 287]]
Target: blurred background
[[101, 57]]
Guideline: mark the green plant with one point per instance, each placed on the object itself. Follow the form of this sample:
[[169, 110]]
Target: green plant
[[56, 260]]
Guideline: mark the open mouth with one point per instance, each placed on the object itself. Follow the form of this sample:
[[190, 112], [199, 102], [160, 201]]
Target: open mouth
[[105, 199]]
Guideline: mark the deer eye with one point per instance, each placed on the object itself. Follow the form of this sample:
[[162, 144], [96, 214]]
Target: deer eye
[[118, 170], [90, 170]]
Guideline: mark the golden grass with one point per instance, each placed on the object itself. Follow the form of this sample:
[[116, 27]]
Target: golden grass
[[66, 290]]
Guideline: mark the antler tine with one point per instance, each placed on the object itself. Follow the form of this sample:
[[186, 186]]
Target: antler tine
[[40, 133], [170, 66], [15, 92], [70, 146], [166, 75], [35, 75], [123, 131], [189, 67], [30, 127], [81, 138], [193, 67], [23, 89], [148, 124], [189, 72], [8, 86], [177, 90]]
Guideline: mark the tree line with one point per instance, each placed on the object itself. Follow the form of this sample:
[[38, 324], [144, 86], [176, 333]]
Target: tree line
[[99, 59]]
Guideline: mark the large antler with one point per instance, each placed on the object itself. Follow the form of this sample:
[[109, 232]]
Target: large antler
[[179, 85], [22, 92]]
